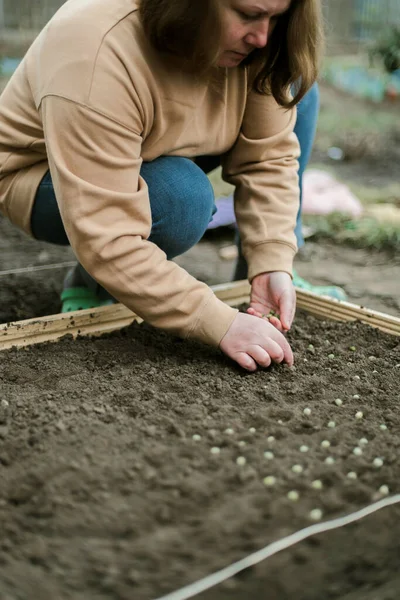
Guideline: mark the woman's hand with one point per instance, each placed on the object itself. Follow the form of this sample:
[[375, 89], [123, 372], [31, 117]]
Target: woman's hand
[[273, 292], [251, 341]]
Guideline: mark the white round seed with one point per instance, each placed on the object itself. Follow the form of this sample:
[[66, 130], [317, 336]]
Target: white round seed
[[307, 412], [338, 402], [293, 495], [196, 437], [363, 442], [325, 444], [317, 484], [269, 481], [384, 490], [241, 461], [269, 455], [229, 431], [304, 449], [356, 397], [357, 451], [359, 415], [378, 463], [316, 514], [331, 424], [280, 422], [297, 469], [383, 427], [242, 444], [329, 460], [352, 475], [252, 429], [215, 450], [270, 439], [331, 356]]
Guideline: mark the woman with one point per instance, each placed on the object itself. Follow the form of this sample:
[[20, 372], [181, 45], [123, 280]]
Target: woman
[[101, 127]]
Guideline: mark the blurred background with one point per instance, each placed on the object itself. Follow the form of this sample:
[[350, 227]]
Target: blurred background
[[352, 186]]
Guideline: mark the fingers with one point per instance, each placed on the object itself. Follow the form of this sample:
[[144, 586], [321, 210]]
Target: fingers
[[273, 320], [245, 361], [287, 308]]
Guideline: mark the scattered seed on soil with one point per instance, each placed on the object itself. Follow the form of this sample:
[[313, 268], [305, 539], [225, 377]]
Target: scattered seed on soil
[[384, 490], [293, 496], [359, 415], [325, 444], [252, 429], [297, 469], [383, 427], [269, 455], [352, 475], [242, 443], [331, 424], [241, 460], [270, 439], [338, 402], [378, 463], [269, 481], [196, 437], [307, 412], [331, 356], [356, 397], [304, 449], [316, 514], [215, 450], [317, 484], [357, 451], [357, 377], [229, 431], [329, 460], [363, 442]]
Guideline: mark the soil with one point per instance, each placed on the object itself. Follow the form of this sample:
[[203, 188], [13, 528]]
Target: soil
[[106, 495]]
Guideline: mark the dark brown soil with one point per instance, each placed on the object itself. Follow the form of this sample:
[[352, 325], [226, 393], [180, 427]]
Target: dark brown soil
[[106, 495]]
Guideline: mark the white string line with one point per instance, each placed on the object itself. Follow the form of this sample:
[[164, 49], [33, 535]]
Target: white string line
[[210, 581], [38, 268]]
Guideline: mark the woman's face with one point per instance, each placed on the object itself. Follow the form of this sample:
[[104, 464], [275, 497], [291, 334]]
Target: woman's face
[[246, 25]]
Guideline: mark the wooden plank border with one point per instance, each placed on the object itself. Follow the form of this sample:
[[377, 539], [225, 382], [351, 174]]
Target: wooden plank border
[[111, 318]]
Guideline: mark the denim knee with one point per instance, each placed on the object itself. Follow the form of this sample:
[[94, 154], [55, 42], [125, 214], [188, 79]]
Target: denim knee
[[182, 203]]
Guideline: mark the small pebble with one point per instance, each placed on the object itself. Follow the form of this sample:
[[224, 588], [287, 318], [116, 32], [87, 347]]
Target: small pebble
[[331, 356], [329, 460], [252, 429], [270, 439], [293, 496], [357, 451], [316, 514], [357, 377], [4, 403], [307, 412], [304, 449], [338, 402], [331, 424], [359, 415], [356, 397], [229, 431], [383, 427], [269, 481], [352, 475], [297, 469], [280, 422], [352, 348], [241, 461], [269, 455], [371, 358], [363, 442], [215, 450], [317, 484], [325, 444], [196, 437], [384, 490], [378, 463]]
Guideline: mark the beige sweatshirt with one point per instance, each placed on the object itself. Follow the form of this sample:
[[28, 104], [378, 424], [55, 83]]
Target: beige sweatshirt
[[91, 100]]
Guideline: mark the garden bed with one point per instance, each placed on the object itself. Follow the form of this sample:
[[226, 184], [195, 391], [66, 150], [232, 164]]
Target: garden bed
[[106, 494]]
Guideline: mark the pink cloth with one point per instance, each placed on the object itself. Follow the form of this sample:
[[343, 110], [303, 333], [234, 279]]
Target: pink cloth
[[323, 194]]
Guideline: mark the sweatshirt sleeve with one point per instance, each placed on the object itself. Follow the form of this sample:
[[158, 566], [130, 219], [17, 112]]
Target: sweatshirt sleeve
[[263, 167], [105, 207]]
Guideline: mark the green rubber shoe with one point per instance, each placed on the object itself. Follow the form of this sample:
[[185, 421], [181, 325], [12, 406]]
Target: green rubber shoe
[[333, 291], [79, 298]]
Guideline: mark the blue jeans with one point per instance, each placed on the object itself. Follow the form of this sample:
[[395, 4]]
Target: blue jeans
[[181, 196]]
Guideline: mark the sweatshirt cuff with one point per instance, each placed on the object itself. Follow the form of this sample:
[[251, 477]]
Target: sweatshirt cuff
[[213, 322], [270, 256]]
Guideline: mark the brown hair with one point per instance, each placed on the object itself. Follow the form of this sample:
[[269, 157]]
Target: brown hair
[[190, 30]]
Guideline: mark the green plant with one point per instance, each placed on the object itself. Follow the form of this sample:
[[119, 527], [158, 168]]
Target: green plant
[[387, 49]]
